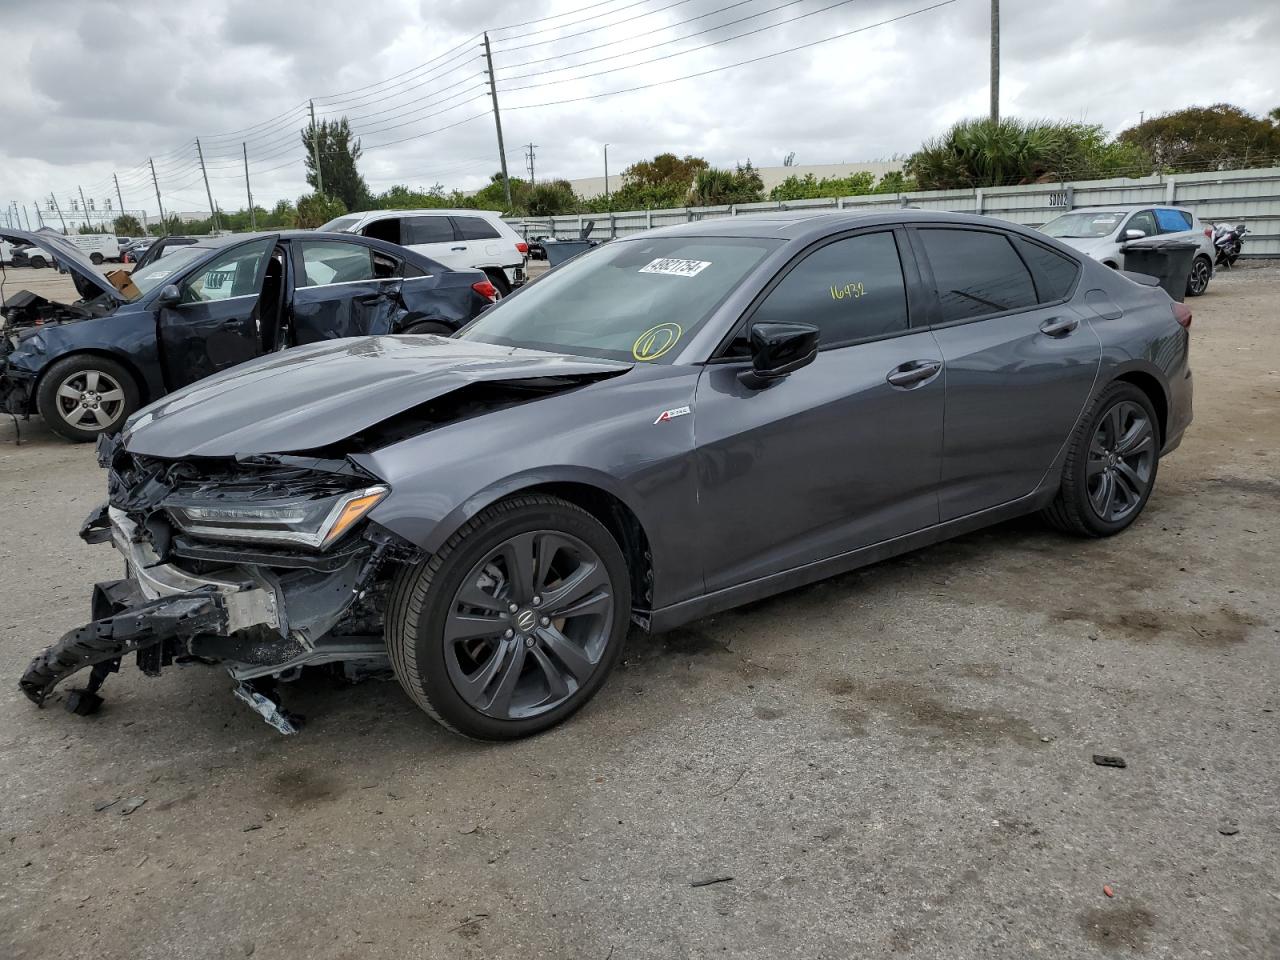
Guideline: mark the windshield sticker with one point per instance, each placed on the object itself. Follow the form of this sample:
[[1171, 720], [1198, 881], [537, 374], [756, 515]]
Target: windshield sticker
[[656, 341], [855, 290], [672, 267]]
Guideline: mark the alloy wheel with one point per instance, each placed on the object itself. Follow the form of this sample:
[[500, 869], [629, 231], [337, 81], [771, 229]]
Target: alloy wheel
[[1122, 456], [1199, 276], [529, 625], [90, 400]]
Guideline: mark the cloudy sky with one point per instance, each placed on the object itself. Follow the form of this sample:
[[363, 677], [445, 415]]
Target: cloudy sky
[[94, 87]]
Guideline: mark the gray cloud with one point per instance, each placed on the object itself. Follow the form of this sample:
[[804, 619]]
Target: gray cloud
[[96, 88]]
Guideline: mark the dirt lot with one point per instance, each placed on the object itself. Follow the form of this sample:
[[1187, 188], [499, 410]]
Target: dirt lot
[[895, 762]]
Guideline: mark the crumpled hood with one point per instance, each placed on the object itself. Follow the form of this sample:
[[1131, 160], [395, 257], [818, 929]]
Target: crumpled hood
[[312, 396], [89, 282]]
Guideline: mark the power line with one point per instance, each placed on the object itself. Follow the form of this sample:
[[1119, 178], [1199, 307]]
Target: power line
[[677, 53], [729, 66], [603, 26]]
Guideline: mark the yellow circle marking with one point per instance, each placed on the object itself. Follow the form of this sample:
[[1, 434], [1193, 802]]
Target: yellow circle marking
[[656, 341]]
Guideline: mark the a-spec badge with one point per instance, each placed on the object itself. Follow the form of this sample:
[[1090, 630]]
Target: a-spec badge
[[672, 414]]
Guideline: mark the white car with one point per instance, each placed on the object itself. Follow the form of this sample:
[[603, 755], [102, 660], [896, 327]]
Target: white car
[[458, 239], [1101, 232]]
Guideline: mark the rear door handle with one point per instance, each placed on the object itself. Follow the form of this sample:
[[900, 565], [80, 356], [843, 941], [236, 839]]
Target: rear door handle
[[1059, 326], [914, 373]]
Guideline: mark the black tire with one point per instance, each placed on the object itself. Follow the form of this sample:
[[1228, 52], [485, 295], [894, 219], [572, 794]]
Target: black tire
[[1198, 279], [499, 280], [424, 597], [1074, 509], [69, 417], [429, 326], [38, 262], [95, 259]]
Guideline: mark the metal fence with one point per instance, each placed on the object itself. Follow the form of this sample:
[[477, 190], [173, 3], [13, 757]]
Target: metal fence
[[1251, 197]]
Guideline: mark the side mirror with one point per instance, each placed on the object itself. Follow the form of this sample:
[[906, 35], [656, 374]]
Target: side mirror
[[169, 295], [778, 349], [1132, 234]]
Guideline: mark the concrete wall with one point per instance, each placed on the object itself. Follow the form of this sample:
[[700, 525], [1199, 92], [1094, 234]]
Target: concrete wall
[[1251, 197]]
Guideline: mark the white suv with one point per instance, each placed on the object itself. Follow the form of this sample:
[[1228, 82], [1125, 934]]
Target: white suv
[[459, 239]]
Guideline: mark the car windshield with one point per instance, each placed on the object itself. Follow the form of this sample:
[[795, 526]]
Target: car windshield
[[164, 270], [339, 225], [1082, 224], [628, 300]]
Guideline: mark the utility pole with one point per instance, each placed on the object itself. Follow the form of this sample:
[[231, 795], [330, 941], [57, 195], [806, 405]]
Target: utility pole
[[253, 217], [606, 173], [84, 207], [213, 211], [315, 148], [27, 218], [995, 62], [118, 196], [164, 224], [58, 210], [530, 157], [39, 219], [497, 119]]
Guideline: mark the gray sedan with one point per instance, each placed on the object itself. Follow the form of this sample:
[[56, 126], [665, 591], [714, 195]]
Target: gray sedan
[[670, 425]]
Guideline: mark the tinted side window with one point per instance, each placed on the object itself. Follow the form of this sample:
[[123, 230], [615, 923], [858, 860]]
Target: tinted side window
[[475, 228], [977, 273], [388, 230], [428, 230], [1173, 221], [1054, 274], [851, 289], [325, 263]]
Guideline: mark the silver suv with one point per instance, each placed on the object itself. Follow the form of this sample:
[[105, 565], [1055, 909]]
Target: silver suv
[[1101, 232]]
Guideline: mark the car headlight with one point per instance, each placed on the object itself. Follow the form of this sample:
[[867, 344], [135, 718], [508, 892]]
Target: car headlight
[[307, 521]]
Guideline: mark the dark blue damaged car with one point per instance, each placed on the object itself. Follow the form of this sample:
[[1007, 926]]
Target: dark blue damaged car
[[205, 307], [665, 427]]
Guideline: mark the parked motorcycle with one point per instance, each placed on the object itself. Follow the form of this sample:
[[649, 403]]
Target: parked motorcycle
[[1228, 241]]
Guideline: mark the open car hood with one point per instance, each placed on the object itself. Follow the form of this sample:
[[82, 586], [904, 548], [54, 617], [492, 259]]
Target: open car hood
[[89, 282], [313, 396]]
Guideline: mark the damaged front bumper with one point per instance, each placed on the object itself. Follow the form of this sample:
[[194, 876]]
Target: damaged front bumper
[[260, 622]]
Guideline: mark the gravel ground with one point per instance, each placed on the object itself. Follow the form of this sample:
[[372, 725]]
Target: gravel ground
[[894, 762]]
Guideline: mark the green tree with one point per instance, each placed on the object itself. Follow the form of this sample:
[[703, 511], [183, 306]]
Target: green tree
[[339, 154], [401, 197], [1218, 137], [552, 198], [171, 225], [653, 184], [127, 225], [978, 153], [713, 187], [810, 187], [317, 209]]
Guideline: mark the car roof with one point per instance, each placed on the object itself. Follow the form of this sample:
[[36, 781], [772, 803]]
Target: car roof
[[1125, 208], [428, 212], [393, 249], [810, 224]]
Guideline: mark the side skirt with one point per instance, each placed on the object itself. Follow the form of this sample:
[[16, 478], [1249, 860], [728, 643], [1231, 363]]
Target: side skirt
[[667, 618]]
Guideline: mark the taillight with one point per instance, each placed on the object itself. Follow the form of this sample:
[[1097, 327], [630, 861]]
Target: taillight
[[490, 292], [1182, 313], [522, 247]]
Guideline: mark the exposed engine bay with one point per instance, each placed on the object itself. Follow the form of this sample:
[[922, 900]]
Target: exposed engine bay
[[254, 563]]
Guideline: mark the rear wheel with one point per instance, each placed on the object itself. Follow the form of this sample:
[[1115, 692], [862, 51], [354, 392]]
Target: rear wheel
[[38, 262], [515, 622], [1198, 279], [95, 259], [85, 395], [1111, 465]]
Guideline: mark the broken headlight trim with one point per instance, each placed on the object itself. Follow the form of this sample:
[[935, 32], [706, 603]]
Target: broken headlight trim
[[306, 521]]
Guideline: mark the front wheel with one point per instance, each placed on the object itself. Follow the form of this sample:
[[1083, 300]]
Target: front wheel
[[38, 262], [1198, 279], [514, 623], [85, 395], [1112, 459]]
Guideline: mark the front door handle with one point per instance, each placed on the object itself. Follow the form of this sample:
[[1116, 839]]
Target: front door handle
[[914, 373], [1059, 326], [457, 248]]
